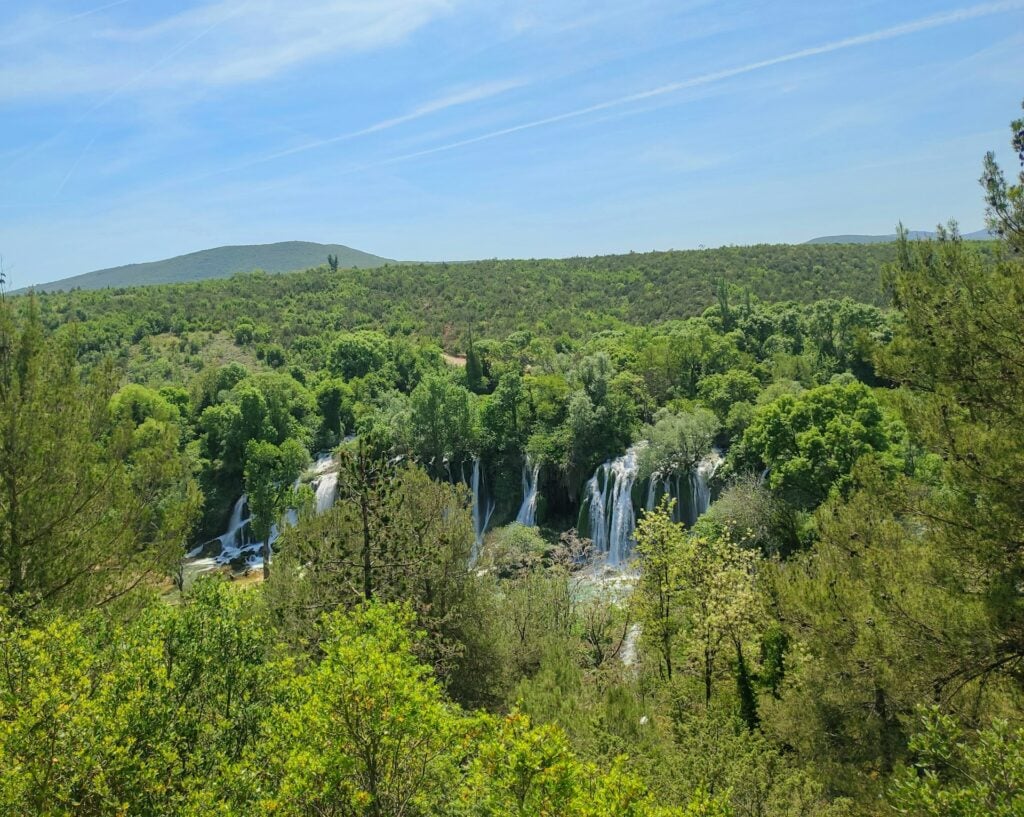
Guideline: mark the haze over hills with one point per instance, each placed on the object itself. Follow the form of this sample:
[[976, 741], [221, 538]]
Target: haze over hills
[[977, 235], [220, 262]]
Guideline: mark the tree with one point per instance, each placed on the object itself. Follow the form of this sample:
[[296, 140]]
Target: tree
[[332, 262], [531, 771], [658, 541], [153, 716], [698, 592], [961, 774], [677, 442], [443, 423], [356, 354], [92, 505], [722, 391], [393, 535], [1005, 203], [334, 403], [810, 442], [960, 363], [368, 731], [474, 369], [270, 471]]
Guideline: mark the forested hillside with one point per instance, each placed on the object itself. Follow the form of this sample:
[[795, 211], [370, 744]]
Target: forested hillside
[[220, 262], [492, 298], [719, 533]]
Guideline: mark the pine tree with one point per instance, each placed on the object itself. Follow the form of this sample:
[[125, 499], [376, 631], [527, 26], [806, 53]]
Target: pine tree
[[474, 369]]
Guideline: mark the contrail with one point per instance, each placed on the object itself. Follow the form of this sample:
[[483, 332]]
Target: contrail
[[74, 167], [127, 84], [32, 33], [424, 109], [433, 106], [912, 27], [96, 10]]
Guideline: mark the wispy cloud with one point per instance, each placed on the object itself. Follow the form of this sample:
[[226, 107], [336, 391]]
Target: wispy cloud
[[87, 53], [25, 30], [893, 32], [452, 100]]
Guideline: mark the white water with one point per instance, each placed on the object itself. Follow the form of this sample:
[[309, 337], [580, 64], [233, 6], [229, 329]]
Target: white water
[[609, 498], [611, 515], [528, 510], [326, 491], [628, 650], [698, 484], [237, 547], [701, 483], [482, 509]]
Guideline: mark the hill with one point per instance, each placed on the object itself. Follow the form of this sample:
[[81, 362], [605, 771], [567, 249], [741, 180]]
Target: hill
[[219, 262], [571, 296], [977, 235]]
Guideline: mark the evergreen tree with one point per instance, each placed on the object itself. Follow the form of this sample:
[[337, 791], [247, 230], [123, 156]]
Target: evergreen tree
[[474, 369], [92, 503]]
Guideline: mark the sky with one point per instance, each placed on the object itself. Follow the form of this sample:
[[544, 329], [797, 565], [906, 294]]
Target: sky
[[136, 130]]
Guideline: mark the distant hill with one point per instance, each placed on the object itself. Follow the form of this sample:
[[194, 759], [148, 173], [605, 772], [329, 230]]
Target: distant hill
[[220, 262], [977, 235]]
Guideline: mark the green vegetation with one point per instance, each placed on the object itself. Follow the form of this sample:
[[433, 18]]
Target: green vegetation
[[222, 262], [840, 634]]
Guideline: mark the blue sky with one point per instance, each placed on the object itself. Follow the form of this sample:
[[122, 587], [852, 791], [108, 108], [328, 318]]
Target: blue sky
[[456, 129]]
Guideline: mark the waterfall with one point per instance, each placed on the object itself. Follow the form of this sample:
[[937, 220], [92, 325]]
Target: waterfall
[[690, 490], [700, 480], [611, 516], [326, 491], [234, 537], [482, 508], [234, 545], [237, 547], [528, 510]]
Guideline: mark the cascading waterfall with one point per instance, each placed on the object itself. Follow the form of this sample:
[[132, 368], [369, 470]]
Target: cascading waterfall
[[237, 547], [326, 491], [694, 502], [609, 502], [482, 508], [528, 510], [235, 539], [700, 480], [610, 498]]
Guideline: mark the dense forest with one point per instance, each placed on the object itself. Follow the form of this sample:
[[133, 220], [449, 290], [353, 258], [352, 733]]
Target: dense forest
[[726, 532]]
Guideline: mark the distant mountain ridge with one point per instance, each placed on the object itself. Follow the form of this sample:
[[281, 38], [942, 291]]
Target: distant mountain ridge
[[220, 262], [977, 235]]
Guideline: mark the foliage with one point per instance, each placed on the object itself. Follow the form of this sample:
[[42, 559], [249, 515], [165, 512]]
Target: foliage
[[95, 499], [810, 442], [956, 774]]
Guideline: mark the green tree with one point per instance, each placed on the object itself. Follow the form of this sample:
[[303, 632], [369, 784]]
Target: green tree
[[368, 731], [92, 505], [961, 774], [393, 535], [677, 442], [443, 423], [270, 471], [335, 406], [474, 369], [722, 391], [696, 595], [1005, 202], [810, 442], [149, 717]]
